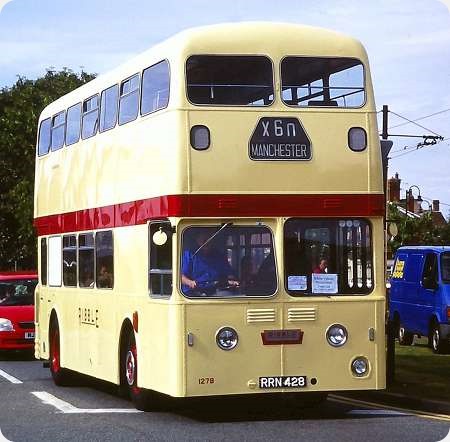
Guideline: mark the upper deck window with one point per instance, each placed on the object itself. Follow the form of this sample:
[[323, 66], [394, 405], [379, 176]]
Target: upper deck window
[[235, 80], [129, 99], [108, 108], [90, 117], [58, 129], [155, 88], [321, 81], [44, 137], [73, 124]]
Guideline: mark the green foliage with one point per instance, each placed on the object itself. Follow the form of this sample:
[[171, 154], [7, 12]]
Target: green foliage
[[20, 107], [417, 231]]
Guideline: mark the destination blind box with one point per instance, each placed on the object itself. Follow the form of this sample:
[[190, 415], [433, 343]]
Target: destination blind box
[[280, 139]]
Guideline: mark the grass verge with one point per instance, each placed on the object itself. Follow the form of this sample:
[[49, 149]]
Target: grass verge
[[421, 373]]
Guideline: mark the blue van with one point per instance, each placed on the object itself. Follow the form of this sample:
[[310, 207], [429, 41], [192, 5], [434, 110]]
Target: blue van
[[419, 299]]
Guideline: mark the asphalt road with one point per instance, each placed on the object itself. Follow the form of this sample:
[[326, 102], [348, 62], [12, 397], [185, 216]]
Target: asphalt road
[[32, 408]]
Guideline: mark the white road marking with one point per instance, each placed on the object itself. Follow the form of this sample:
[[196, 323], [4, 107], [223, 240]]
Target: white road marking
[[380, 412], [10, 378], [65, 407], [3, 438]]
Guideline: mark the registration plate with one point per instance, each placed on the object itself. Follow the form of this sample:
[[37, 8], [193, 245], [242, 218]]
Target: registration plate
[[29, 335], [282, 382]]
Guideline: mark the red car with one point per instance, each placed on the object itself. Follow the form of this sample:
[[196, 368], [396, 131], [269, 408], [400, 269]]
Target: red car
[[17, 310]]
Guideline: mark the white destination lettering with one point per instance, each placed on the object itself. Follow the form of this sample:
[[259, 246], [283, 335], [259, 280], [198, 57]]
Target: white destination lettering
[[278, 150]]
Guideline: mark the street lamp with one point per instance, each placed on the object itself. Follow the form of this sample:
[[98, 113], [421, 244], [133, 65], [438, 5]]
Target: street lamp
[[409, 195]]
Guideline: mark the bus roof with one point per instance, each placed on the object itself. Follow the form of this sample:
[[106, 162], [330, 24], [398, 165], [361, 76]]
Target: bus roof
[[244, 38]]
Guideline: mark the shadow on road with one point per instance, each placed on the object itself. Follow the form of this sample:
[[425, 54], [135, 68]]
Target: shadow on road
[[17, 355]]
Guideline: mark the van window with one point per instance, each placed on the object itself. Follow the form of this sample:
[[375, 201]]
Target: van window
[[429, 274], [445, 267]]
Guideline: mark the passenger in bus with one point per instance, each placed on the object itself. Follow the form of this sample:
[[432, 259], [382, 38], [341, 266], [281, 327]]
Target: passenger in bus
[[104, 278], [322, 267], [205, 269]]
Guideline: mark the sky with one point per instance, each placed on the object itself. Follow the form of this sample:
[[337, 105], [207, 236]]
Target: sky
[[408, 43]]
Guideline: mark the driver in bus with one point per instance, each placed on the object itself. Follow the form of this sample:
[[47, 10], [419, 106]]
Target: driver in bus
[[205, 269]]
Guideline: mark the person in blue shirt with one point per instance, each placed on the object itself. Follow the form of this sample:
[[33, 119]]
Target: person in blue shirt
[[205, 268]]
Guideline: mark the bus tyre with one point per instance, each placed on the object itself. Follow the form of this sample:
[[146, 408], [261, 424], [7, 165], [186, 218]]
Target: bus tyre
[[140, 397], [60, 375], [404, 337], [437, 344]]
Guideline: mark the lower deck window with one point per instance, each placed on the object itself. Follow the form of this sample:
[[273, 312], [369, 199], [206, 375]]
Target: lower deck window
[[228, 261], [329, 257]]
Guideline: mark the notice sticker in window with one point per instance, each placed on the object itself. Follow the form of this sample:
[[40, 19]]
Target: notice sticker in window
[[324, 283], [297, 282]]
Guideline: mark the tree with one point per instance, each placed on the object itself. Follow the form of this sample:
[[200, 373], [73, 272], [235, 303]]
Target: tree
[[20, 107], [416, 231]]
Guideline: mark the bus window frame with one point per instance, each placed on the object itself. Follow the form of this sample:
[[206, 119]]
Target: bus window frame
[[239, 223], [141, 114], [149, 289], [58, 126], [80, 103], [128, 94], [315, 107], [229, 106], [310, 295], [47, 151], [83, 114], [102, 93]]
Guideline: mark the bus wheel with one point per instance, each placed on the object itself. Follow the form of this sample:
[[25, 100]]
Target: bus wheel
[[404, 337], [60, 375], [437, 344], [139, 396]]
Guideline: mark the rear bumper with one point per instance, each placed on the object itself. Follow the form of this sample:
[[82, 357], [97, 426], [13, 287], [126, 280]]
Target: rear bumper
[[15, 340]]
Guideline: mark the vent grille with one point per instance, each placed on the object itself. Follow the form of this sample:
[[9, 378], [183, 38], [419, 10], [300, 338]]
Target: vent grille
[[260, 315], [26, 324], [300, 314]]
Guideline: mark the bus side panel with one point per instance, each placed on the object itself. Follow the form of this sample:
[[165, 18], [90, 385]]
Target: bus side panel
[[161, 340]]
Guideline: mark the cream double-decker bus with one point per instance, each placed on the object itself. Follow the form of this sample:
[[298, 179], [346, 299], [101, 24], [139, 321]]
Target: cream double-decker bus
[[210, 219]]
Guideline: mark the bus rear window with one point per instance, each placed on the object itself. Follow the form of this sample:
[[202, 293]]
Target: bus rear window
[[229, 80], [228, 261], [328, 257], [322, 81]]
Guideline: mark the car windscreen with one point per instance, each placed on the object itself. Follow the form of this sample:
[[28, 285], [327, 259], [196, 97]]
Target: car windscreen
[[230, 80], [228, 260], [445, 267], [17, 292]]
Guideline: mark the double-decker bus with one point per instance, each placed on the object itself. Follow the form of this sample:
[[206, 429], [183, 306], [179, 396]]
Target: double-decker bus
[[210, 219]]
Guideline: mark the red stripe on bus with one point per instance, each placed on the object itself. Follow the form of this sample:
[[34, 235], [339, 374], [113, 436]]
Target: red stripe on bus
[[220, 206]]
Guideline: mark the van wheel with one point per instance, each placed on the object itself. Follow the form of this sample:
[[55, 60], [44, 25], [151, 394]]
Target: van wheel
[[437, 344], [140, 397], [60, 375], [404, 337]]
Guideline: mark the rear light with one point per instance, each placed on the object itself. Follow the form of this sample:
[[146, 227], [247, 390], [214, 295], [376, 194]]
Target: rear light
[[200, 138], [448, 313], [357, 139]]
